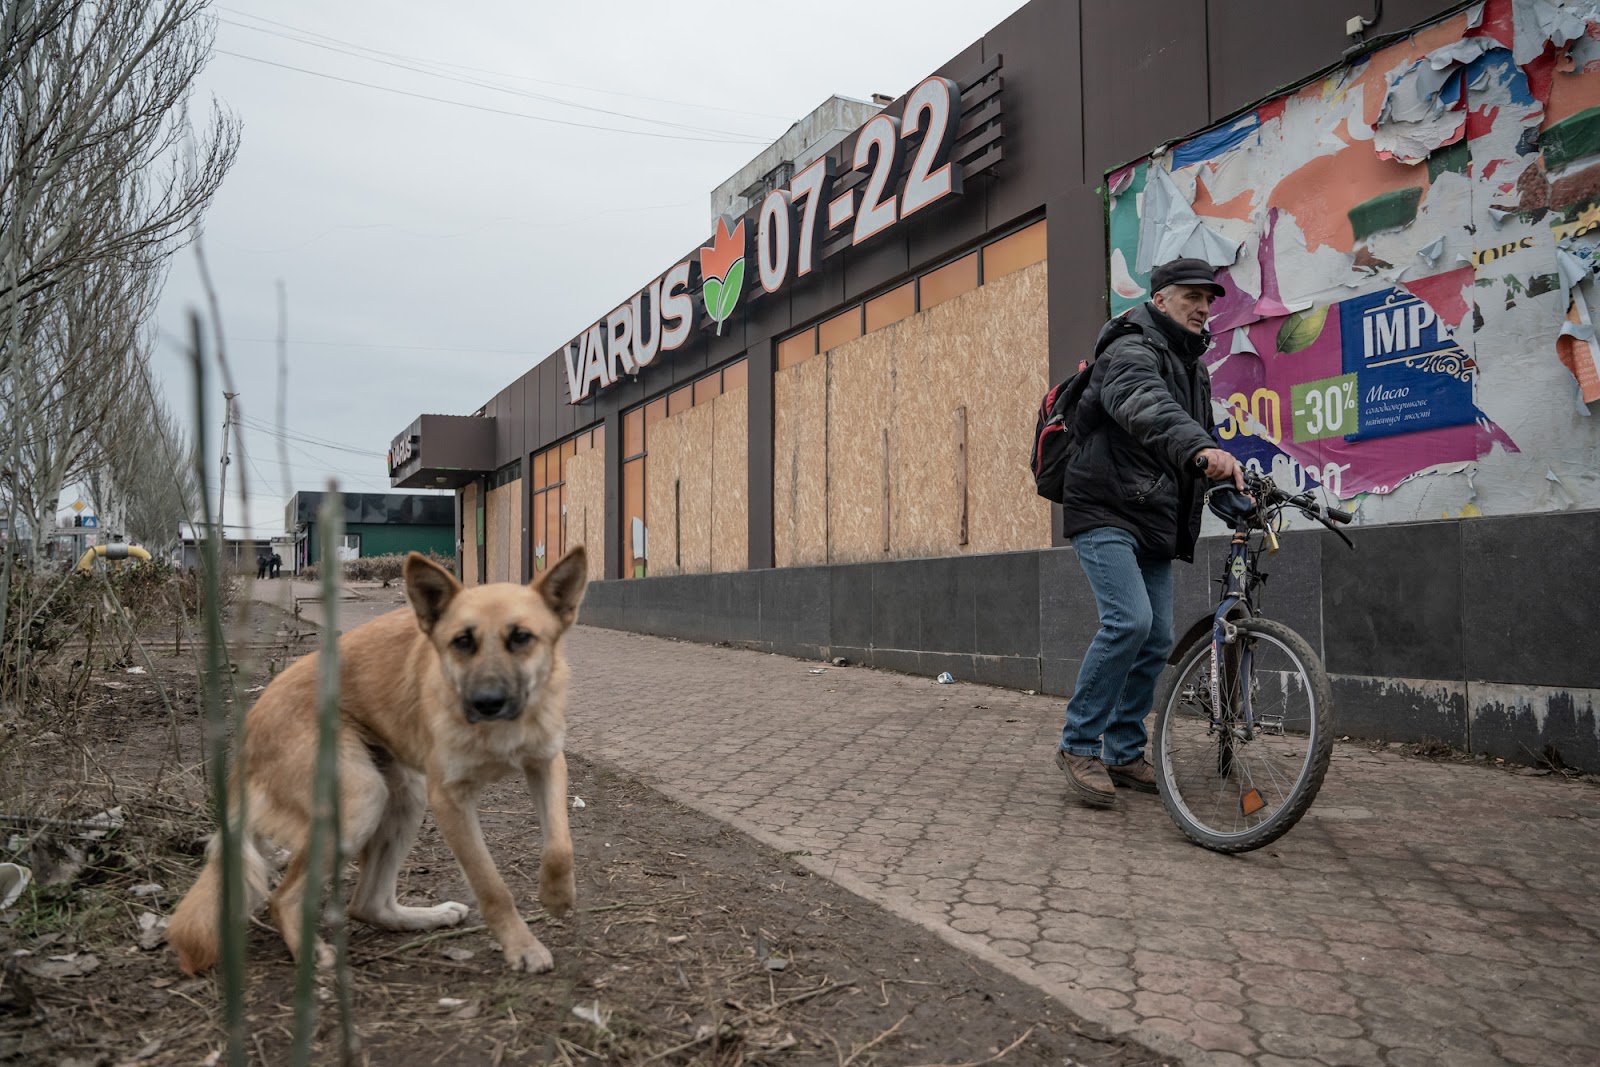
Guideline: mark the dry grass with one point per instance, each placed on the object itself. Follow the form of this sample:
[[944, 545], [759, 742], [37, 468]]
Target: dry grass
[[691, 944]]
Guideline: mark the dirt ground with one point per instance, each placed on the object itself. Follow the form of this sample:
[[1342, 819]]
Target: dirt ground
[[692, 943]]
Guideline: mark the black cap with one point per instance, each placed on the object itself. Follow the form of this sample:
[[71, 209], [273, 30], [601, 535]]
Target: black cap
[[1186, 272]]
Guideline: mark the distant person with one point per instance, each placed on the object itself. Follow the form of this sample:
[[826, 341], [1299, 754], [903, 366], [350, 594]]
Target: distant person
[[263, 561], [277, 564]]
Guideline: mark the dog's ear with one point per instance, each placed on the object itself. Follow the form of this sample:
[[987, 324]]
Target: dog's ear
[[562, 586], [430, 588]]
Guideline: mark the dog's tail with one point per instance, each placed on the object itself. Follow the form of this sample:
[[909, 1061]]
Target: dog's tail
[[195, 931]]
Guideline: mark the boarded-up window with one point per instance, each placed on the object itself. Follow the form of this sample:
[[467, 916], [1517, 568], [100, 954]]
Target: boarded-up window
[[680, 401], [950, 280], [541, 534], [1022, 249], [797, 349], [839, 329], [891, 307], [735, 376], [550, 470], [633, 520]]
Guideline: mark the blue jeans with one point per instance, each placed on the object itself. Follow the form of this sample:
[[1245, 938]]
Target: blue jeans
[[1117, 682]]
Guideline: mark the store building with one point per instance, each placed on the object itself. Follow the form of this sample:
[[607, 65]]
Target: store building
[[375, 524], [809, 434]]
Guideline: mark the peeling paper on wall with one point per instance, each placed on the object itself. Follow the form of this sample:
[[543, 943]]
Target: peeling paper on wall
[[1424, 109], [1171, 230], [1576, 344], [1537, 22], [1561, 487]]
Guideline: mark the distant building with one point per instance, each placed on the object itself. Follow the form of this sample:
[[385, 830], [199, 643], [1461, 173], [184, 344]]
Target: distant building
[[801, 145], [375, 524], [238, 553]]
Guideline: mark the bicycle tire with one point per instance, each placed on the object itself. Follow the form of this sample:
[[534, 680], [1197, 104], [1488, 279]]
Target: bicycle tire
[[1177, 708]]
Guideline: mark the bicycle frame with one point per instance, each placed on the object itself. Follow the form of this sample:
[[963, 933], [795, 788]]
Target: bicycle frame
[[1237, 592]]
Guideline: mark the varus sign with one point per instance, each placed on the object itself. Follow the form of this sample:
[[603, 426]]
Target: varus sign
[[401, 449], [791, 227]]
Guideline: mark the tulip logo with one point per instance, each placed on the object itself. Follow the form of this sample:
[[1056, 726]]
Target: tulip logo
[[722, 271]]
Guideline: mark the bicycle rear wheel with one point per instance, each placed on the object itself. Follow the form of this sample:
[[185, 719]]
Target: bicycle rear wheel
[[1228, 787]]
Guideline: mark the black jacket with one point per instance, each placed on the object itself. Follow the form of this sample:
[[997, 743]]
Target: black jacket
[[1145, 414]]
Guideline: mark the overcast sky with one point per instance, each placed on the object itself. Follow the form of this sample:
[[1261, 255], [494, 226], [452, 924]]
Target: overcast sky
[[433, 251]]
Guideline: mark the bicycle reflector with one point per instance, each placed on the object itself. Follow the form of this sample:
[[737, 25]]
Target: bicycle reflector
[[1250, 801]]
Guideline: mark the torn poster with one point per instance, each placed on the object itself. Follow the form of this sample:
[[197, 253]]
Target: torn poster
[[1404, 244]]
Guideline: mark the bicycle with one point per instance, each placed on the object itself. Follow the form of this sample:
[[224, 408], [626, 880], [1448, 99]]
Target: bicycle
[[1244, 725]]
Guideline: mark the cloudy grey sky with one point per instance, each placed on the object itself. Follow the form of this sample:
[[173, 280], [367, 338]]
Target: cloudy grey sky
[[431, 251]]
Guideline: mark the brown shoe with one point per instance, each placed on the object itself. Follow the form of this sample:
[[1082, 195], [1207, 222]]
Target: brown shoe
[[1088, 778], [1138, 775]]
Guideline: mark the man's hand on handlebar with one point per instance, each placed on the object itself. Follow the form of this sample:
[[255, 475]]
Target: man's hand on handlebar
[[1220, 466]]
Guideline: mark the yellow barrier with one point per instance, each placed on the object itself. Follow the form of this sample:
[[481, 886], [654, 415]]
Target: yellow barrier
[[114, 551]]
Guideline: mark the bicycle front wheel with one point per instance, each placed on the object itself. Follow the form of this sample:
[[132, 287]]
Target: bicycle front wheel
[[1236, 781]]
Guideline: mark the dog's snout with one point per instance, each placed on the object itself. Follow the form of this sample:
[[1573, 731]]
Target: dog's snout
[[490, 703]]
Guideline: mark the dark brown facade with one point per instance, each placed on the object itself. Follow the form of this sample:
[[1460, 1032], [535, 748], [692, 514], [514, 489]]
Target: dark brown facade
[[1410, 626], [1152, 70]]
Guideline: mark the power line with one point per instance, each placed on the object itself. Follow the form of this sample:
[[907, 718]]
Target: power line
[[379, 344], [488, 110], [257, 426], [375, 56], [503, 74], [566, 223]]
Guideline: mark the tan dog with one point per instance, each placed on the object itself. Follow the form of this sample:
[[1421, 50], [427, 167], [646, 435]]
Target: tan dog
[[435, 703]]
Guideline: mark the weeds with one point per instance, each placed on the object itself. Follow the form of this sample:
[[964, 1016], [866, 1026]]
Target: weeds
[[375, 568]]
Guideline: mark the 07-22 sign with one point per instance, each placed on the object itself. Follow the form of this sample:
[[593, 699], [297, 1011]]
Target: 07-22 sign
[[933, 109]]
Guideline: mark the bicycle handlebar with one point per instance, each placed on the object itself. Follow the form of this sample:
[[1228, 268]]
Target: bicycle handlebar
[[1267, 496]]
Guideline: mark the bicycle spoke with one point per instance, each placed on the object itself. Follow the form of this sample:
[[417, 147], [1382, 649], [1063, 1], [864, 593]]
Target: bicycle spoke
[[1236, 789]]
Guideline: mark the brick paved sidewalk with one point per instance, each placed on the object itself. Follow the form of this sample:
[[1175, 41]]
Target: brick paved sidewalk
[[1421, 913]]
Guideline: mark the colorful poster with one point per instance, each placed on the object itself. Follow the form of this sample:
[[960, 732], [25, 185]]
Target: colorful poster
[[1409, 373], [1407, 248]]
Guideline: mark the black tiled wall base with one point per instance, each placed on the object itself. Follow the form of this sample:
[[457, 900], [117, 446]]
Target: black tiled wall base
[[1479, 633]]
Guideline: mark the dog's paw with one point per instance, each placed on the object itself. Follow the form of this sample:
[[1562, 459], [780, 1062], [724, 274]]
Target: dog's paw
[[530, 955], [449, 912], [558, 893]]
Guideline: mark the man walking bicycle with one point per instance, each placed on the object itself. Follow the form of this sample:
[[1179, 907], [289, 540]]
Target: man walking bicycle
[[1132, 498]]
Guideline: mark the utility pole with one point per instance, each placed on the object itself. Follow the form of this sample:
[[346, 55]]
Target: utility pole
[[222, 496]]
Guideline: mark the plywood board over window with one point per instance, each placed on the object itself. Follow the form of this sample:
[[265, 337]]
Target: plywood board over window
[[696, 476], [468, 552], [497, 531], [1007, 320], [586, 506], [514, 533], [539, 551], [925, 522], [799, 465], [730, 496], [635, 534], [860, 402]]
